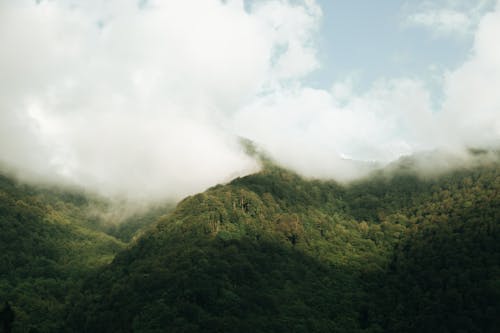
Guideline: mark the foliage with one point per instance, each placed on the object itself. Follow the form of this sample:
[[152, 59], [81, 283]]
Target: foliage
[[275, 252], [270, 252], [45, 251]]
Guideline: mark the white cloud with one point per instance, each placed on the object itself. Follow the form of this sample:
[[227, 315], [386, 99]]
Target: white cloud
[[443, 21], [458, 18], [292, 30], [471, 110], [149, 102], [122, 98], [310, 129]]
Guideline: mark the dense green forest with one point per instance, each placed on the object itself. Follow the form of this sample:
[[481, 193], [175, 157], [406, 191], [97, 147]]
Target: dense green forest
[[50, 240], [269, 252]]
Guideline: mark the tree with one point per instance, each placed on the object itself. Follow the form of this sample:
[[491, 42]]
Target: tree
[[7, 317]]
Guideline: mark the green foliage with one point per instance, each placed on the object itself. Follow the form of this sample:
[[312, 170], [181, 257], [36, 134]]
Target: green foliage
[[273, 252], [45, 252], [134, 225], [269, 252], [445, 274]]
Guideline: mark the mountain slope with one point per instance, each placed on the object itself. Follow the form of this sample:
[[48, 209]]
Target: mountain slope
[[445, 273], [275, 252], [395, 252], [230, 260], [45, 251]]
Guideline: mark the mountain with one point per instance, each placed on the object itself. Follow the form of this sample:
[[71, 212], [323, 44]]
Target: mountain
[[273, 252], [50, 239], [402, 250]]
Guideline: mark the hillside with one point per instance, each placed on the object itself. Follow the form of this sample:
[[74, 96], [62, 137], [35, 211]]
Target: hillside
[[275, 252], [50, 239]]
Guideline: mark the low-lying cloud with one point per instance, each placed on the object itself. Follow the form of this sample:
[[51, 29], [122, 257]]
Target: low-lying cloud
[[148, 99]]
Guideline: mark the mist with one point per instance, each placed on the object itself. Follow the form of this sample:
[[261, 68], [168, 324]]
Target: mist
[[148, 100]]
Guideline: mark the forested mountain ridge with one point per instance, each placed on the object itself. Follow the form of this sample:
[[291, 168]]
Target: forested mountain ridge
[[398, 251], [47, 245], [275, 252], [50, 239]]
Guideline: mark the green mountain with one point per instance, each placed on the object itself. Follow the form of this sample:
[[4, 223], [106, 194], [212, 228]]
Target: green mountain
[[50, 240], [270, 252], [274, 252]]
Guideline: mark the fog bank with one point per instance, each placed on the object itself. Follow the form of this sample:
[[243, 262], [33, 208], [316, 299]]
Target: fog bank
[[148, 100]]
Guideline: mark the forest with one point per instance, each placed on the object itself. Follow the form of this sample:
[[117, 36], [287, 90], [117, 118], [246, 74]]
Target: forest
[[397, 251]]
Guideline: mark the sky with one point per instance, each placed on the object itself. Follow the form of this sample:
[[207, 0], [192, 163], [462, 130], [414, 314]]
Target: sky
[[149, 99], [368, 40]]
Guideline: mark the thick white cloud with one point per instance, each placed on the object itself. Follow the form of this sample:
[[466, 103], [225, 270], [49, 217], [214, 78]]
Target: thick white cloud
[[471, 110], [130, 98], [148, 100], [317, 131]]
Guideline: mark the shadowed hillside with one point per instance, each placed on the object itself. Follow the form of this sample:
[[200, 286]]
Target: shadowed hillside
[[274, 252], [50, 239]]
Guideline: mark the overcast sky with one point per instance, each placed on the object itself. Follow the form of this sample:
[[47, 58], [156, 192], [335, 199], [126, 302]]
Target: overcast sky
[[148, 98]]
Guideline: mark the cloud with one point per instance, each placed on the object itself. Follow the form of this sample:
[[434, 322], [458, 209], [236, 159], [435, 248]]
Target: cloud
[[320, 132], [317, 131], [471, 108], [148, 101], [448, 18], [442, 21], [123, 98]]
